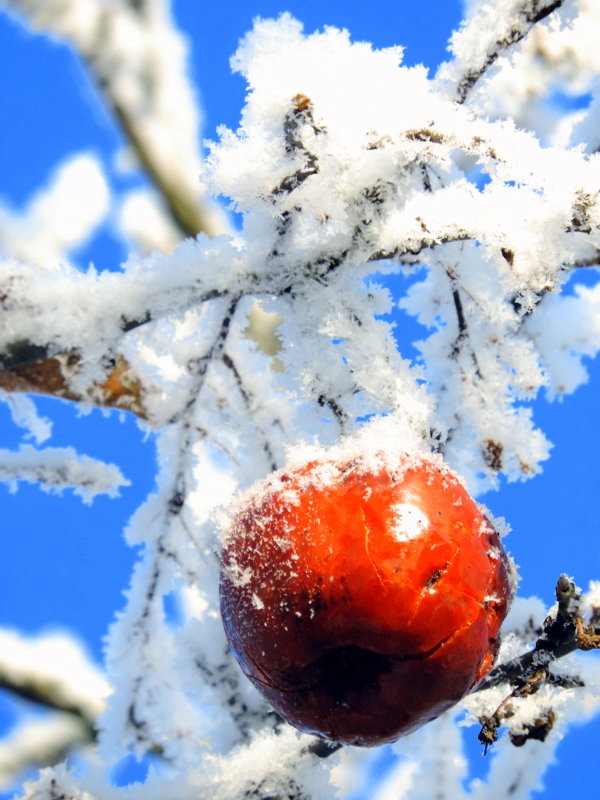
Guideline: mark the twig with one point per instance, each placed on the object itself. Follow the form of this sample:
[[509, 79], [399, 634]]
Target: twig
[[531, 12], [248, 402], [103, 55], [301, 114], [173, 513], [562, 634], [187, 211], [49, 696]]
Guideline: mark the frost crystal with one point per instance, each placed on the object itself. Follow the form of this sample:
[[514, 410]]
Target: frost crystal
[[263, 345]]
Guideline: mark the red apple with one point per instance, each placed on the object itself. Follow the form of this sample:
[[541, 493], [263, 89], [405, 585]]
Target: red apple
[[363, 596]]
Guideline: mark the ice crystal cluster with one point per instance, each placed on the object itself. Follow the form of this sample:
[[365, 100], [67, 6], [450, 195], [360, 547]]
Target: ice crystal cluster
[[242, 341]]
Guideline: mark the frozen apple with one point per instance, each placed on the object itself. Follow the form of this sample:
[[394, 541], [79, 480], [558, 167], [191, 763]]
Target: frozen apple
[[363, 596]]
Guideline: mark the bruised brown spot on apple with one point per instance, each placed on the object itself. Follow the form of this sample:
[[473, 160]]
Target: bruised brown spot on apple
[[436, 576], [384, 608]]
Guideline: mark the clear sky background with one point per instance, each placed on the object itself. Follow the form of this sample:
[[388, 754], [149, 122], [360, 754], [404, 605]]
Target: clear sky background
[[64, 564]]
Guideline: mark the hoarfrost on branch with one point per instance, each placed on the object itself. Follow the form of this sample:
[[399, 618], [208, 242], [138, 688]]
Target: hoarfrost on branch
[[347, 166]]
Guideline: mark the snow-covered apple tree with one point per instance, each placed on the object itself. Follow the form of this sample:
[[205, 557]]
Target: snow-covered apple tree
[[244, 344]]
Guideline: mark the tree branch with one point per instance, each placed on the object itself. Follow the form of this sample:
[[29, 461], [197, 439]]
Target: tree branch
[[187, 210], [154, 73], [49, 696], [529, 14], [563, 634], [120, 389]]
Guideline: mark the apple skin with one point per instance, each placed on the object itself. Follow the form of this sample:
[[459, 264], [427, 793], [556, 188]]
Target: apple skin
[[363, 597]]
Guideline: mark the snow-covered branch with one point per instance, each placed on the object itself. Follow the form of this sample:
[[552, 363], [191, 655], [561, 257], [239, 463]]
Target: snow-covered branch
[[40, 743], [493, 254], [563, 633], [492, 29], [346, 167], [138, 61], [57, 468], [50, 672]]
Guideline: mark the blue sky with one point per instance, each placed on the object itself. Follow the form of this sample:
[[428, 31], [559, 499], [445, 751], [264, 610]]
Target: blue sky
[[63, 563]]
